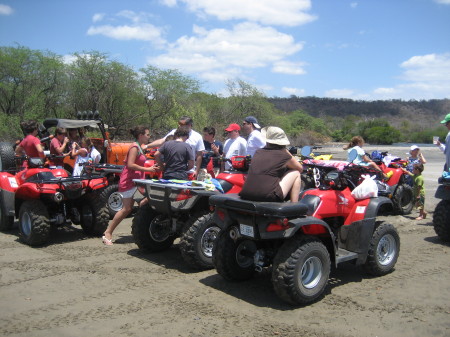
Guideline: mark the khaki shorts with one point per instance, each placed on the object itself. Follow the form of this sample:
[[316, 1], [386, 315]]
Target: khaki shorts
[[420, 203]]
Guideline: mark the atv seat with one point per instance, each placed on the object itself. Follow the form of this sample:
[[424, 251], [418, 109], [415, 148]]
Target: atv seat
[[281, 209], [35, 162]]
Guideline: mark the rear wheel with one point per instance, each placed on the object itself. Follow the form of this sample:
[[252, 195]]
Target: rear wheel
[[441, 220], [197, 242], [6, 221], [152, 232], [7, 154], [234, 259], [94, 215], [34, 224], [403, 199], [384, 249], [301, 270]]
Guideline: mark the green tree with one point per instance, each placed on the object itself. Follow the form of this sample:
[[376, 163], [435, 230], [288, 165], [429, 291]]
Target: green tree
[[113, 89], [167, 95], [32, 85]]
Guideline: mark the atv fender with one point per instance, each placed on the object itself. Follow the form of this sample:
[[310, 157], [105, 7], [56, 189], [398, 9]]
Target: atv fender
[[442, 192], [376, 205], [7, 202], [355, 237], [320, 227]]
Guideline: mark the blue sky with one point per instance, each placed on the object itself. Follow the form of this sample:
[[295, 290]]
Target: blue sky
[[366, 49]]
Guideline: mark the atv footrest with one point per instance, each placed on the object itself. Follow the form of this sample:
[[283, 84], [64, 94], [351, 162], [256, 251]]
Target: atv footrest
[[343, 255], [282, 209]]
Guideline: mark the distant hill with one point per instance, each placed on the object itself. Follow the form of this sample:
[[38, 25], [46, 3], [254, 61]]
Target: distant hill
[[426, 113]]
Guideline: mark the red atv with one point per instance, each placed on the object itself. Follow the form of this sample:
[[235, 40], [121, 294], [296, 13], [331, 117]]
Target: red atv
[[176, 210], [402, 193], [41, 198], [301, 240]]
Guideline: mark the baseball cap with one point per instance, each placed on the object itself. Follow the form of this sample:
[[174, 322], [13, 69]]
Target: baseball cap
[[233, 127], [446, 119], [414, 147], [253, 120]]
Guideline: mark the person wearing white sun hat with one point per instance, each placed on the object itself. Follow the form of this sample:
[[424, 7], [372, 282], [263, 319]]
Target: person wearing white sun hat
[[415, 157], [274, 173]]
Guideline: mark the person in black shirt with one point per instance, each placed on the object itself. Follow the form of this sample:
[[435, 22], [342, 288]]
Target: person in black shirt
[[178, 156], [213, 149]]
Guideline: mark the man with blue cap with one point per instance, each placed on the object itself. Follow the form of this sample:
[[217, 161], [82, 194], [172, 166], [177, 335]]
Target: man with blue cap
[[255, 141], [446, 147]]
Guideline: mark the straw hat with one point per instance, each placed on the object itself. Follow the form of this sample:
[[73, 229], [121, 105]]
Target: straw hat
[[274, 135]]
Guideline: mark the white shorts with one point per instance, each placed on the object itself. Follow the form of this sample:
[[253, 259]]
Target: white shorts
[[128, 194]]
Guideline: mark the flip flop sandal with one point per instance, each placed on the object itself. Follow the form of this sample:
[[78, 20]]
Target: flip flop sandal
[[107, 241]]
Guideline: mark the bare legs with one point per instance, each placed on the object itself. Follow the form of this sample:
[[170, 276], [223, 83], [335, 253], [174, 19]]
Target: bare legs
[[290, 183], [120, 215]]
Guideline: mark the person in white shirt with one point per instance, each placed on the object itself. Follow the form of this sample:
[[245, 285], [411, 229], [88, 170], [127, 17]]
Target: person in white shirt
[[445, 147], [255, 141], [95, 155], [235, 145], [195, 140]]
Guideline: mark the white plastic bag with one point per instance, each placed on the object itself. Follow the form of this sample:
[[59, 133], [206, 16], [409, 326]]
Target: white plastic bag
[[367, 189]]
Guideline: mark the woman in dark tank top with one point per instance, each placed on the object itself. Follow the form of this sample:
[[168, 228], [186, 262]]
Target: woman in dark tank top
[[274, 173]]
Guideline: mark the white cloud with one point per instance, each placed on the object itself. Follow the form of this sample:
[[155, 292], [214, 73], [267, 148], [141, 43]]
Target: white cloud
[[293, 91], [5, 10], [353, 5], [69, 59], [385, 91], [443, 2], [424, 77], [339, 93], [145, 32], [98, 17], [427, 68], [289, 68], [268, 12], [138, 29], [228, 52], [169, 3]]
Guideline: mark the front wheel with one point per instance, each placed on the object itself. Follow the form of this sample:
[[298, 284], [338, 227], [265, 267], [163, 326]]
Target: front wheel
[[94, 215], [384, 248], [113, 199], [441, 220], [403, 199], [151, 232], [234, 259], [197, 242], [34, 224], [301, 270]]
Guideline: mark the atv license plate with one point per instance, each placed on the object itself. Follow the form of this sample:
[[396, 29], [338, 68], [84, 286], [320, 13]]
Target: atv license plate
[[247, 230]]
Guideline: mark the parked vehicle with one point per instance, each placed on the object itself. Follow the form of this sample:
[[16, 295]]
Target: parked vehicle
[[182, 211], [301, 240], [402, 193], [441, 215], [41, 198]]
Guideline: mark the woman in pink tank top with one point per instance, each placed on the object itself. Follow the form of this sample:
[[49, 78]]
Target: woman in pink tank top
[[134, 169]]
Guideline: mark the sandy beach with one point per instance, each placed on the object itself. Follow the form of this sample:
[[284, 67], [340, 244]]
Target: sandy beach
[[76, 286]]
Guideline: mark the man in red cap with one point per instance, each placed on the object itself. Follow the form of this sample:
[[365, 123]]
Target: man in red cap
[[235, 145]]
